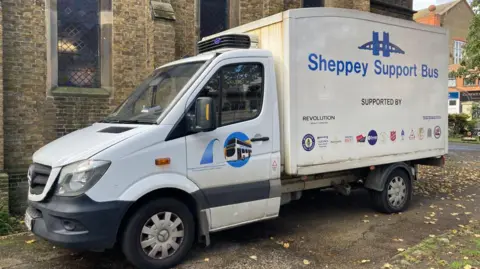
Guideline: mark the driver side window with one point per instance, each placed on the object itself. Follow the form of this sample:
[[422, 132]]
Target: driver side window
[[237, 90]]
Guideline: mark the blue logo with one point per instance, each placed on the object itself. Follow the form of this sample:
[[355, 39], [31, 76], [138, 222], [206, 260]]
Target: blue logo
[[237, 149], [372, 137], [384, 46], [207, 157], [308, 142]]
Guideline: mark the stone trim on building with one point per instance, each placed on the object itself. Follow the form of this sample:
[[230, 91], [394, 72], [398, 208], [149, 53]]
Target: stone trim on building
[[162, 10]]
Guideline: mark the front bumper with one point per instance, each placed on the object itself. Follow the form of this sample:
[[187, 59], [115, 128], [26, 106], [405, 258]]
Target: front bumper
[[95, 225]]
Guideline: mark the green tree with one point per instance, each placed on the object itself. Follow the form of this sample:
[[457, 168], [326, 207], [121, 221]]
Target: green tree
[[460, 124]]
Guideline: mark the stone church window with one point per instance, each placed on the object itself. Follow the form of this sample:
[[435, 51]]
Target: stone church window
[[213, 17], [78, 43], [313, 3]]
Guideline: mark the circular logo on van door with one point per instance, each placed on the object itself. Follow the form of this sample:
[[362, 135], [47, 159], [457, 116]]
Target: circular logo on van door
[[308, 142], [237, 149]]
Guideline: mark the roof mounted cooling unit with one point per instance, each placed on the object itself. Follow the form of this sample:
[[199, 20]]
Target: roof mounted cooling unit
[[229, 41]]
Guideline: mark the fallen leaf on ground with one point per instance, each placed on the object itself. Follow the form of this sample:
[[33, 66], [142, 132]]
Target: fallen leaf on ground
[[387, 265], [432, 235], [364, 261], [366, 221], [207, 259], [306, 262], [253, 257], [465, 258], [286, 245], [401, 249], [443, 262], [30, 241], [468, 213], [454, 214], [477, 235], [467, 266]]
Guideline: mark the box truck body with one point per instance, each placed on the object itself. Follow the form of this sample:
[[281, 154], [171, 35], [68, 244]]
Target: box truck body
[[344, 76], [304, 99]]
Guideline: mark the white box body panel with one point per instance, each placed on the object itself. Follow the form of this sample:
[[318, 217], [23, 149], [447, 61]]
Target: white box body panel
[[338, 109]]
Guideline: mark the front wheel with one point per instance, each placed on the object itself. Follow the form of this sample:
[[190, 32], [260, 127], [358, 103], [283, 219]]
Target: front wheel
[[396, 194], [159, 234]]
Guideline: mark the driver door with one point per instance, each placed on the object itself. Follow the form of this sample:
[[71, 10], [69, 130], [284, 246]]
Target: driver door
[[231, 164]]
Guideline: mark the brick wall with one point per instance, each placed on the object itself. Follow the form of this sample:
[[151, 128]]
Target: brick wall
[[250, 10], [78, 112], [164, 43], [292, 4], [132, 46], [185, 27], [271, 7], [24, 70]]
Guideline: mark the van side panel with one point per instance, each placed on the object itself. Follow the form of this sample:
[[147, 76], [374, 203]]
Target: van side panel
[[367, 91]]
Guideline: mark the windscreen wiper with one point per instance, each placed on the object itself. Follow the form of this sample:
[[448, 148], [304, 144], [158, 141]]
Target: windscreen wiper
[[127, 121]]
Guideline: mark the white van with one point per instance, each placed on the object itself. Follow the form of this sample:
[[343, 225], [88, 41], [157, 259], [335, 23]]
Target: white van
[[305, 99]]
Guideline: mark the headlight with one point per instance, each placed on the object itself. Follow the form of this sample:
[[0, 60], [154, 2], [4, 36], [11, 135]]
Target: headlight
[[77, 178]]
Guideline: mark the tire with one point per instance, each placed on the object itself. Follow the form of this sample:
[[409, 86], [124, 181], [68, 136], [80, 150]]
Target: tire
[[156, 234], [399, 184]]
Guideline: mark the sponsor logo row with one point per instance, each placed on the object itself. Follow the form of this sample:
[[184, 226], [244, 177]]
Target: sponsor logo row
[[372, 137]]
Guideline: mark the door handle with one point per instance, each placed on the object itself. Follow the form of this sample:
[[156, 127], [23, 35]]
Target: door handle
[[258, 139]]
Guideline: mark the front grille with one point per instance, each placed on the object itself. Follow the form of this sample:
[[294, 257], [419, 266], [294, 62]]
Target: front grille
[[33, 212], [37, 177]]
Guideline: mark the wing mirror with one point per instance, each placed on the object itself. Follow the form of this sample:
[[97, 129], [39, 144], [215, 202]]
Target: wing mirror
[[205, 116]]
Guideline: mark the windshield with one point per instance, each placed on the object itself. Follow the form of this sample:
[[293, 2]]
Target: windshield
[[154, 95]]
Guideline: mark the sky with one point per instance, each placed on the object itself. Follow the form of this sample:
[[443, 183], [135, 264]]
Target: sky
[[421, 4]]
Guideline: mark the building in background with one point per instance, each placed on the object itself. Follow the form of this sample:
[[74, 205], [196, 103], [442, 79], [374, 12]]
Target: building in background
[[68, 63], [453, 102], [456, 17]]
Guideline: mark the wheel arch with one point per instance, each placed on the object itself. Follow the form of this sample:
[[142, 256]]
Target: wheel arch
[[376, 179], [172, 186]]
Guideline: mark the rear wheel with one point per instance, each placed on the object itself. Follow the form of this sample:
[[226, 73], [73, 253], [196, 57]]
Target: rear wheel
[[159, 234], [396, 194]]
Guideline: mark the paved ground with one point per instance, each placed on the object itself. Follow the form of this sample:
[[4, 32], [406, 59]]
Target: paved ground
[[323, 230]]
